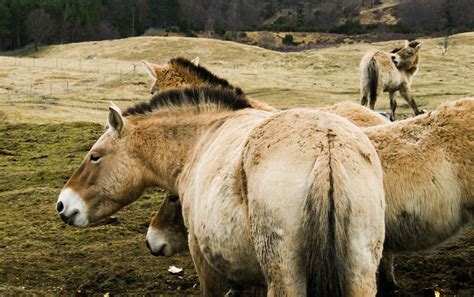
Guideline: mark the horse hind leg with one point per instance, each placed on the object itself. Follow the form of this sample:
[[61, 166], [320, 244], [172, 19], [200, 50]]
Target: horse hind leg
[[365, 95], [278, 258], [393, 105], [373, 98], [386, 276]]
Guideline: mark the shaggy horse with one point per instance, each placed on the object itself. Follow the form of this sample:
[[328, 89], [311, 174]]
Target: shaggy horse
[[292, 201], [390, 72], [428, 165], [426, 203], [180, 73]]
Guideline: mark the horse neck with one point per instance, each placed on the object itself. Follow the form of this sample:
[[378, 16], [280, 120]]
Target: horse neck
[[167, 139]]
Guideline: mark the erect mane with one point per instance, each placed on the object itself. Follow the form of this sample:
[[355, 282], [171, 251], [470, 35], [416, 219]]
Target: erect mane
[[204, 74], [201, 96]]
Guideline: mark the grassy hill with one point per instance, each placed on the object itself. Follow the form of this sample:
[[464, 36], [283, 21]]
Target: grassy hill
[[60, 84]]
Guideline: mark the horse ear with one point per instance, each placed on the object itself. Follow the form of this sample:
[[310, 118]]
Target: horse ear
[[115, 117], [195, 61], [406, 43], [415, 44], [149, 69]]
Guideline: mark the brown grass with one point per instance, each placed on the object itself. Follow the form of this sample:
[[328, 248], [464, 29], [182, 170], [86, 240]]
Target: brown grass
[[46, 93]]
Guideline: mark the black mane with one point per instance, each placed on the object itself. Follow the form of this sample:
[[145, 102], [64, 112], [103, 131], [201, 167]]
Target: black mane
[[228, 98], [204, 74]]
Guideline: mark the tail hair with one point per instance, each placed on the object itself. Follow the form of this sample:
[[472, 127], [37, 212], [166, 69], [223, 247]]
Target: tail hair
[[326, 224], [373, 76]]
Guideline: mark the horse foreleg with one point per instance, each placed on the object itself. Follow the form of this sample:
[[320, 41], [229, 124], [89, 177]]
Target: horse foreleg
[[393, 105], [386, 279], [211, 281], [406, 94]]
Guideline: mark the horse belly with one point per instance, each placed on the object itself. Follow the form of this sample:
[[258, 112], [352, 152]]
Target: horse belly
[[225, 241], [423, 209]]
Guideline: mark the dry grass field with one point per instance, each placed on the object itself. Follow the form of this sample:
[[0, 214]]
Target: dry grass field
[[52, 106], [60, 85]]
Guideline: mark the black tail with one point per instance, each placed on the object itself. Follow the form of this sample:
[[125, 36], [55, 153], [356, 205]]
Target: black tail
[[373, 79], [326, 223]]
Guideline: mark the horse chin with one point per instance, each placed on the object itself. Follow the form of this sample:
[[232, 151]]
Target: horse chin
[[80, 220]]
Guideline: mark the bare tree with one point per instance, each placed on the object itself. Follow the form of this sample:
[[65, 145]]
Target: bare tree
[[444, 44], [39, 25]]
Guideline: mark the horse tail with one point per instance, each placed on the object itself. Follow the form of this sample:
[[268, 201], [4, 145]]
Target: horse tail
[[326, 221], [373, 76]]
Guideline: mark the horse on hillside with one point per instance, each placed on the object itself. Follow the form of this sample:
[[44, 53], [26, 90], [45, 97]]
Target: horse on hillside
[[180, 73], [426, 203], [390, 72], [292, 201]]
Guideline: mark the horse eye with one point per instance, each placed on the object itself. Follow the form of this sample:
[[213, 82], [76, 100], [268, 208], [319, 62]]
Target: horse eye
[[173, 198], [95, 158]]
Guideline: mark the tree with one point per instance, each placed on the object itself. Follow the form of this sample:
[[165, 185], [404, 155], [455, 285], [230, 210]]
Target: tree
[[5, 19], [39, 25]]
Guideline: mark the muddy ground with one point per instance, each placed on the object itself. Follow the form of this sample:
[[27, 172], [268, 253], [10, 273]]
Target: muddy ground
[[40, 255]]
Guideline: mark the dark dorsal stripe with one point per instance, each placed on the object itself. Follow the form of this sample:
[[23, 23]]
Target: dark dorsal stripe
[[204, 74], [191, 97]]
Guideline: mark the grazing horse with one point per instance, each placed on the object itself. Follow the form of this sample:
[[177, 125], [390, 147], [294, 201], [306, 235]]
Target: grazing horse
[[167, 234], [390, 72], [292, 201], [426, 203], [180, 73]]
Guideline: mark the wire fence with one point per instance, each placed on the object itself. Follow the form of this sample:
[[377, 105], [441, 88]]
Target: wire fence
[[82, 65], [63, 76]]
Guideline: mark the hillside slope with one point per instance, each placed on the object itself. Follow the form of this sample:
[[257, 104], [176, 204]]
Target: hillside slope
[[61, 85]]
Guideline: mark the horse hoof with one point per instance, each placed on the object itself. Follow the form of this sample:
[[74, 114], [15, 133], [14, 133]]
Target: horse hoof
[[386, 288]]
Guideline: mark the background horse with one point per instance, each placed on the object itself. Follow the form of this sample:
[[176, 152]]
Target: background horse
[[390, 72], [292, 200], [181, 73], [428, 165]]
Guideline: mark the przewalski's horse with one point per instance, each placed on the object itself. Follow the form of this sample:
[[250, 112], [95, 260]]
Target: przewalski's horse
[[167, 233], [428, 165], [292, 200], [181, 73], [390, 72], [427, 202]]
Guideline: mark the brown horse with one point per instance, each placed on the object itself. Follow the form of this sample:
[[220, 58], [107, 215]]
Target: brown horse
[[390, 72], [418, 197], [292, 201], [181, 73]]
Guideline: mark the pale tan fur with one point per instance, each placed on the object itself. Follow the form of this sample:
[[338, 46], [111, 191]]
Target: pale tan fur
[[244, 178], [428, 165], [389, 72], [359, 115], [173, 76], [428, 175]]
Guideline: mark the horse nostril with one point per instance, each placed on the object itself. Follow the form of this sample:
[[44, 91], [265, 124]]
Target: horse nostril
[[393, 58], [148, 244], [59, 206]]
